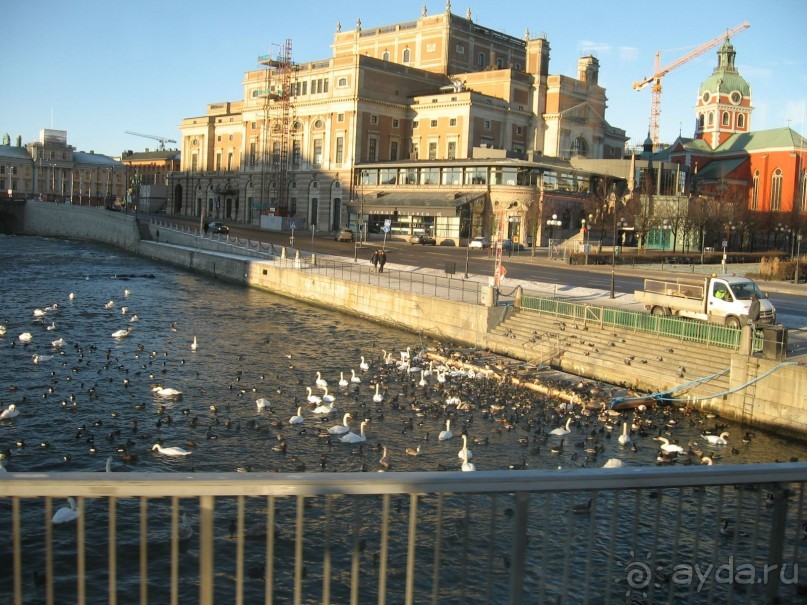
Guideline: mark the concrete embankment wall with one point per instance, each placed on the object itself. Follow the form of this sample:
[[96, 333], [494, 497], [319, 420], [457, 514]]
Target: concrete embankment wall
[[81, 222]]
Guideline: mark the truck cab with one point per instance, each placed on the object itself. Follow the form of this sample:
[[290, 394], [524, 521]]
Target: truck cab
[[730, 297]]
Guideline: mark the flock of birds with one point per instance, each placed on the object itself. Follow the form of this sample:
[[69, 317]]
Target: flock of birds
[[406, 395]]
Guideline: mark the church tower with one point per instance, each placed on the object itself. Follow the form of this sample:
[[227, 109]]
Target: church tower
[[724, 101]]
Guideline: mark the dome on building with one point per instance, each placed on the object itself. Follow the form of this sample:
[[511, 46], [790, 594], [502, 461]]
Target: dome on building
[[725, 78]]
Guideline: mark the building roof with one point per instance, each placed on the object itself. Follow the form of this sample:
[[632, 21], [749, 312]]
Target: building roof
[[150, 156], [776, 138], [81, 157], [720, 169], [14, 152]]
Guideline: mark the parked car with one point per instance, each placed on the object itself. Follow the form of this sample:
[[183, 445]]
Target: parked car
[[507, 244], [479, 242], [216, 227], [344, 235], [422, 238]]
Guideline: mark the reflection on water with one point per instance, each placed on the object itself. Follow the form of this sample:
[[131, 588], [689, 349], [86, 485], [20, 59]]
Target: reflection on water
[[91, 396]]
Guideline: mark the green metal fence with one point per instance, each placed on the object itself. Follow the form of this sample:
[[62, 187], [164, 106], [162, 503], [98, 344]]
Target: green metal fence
[[672, 327]]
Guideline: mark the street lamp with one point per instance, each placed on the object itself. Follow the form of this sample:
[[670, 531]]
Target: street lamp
[[665, 227], [360, 223], [618, 224], [552, 223], [798, 254]]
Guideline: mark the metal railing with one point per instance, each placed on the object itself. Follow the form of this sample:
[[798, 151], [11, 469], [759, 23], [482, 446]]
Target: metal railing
[[671, 327], [684, 534]]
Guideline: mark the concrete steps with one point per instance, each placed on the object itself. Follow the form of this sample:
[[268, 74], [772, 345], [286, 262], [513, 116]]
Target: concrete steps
[[636, 360]]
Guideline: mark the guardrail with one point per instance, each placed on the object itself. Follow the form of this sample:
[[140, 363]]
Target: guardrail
[[685, 534], [672, 327]]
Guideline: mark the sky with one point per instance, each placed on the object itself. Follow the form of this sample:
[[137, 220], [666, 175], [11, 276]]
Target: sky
[[97, 68]]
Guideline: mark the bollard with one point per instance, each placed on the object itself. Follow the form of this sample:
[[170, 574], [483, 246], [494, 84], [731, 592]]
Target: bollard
[[283, 253]]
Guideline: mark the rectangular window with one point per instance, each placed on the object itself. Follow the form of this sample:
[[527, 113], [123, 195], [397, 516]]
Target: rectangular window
[[414, 124], [433, 150], [415, 151], [433, 124], [230, 161], [480, 59], [252, 151], [452, 150], [276, 153], [218, 162], [317, 153], [393, 150], [293, 206], [486, 125], [340, 149], [325, 85], [305, 87], [314, 211], [395, 123], [452, 122], [519, 130], [319, 86], [340, 117], [295, 154], [373, 119], [372, 150]]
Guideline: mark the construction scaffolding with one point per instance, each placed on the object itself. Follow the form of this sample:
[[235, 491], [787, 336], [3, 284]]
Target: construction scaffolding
[[278, 118]]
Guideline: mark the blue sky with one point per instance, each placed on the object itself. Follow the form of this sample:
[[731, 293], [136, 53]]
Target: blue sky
[[98, 68]]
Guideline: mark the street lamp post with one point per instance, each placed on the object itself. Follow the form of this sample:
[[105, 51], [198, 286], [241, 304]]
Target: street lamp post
[[798, 254], [665, 228], [618, 224], [552, 223], [313, 229]]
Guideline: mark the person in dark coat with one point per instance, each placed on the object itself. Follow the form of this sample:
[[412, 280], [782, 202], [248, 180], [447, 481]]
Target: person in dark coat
[[382, 260], [753, 311], [207, 227], [374, 260]]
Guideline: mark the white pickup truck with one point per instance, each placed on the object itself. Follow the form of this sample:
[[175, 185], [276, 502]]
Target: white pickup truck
[[723, 300]]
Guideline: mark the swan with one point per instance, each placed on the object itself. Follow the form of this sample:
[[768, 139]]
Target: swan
[[71, 296], [124, 310], [378, 397], [446, 434], [10, 412], [57, 343], [441, 377], [109, 305], [384, 460], [297, 418], [262, 404], [353, 437], [422, 382], [717, 440], [194, 344], [51, 327], [127, 292], [707, 461], [412, 451], [326, 397], [184, 531], [669, 448], [624, 439], [613, 463], [353, 378], [3, 330], [121, 333], [3, 468], [25, 337], [342, 381], [325, 408], [466, 466], [389, 359], [165, 391], [465, 452], [39, 313], [134, 318], [364, 365], [560, 431], [453, 400], [40, 358], [316, 399], [320, 381], [109, 465], [66, 514], [170, 451], [340, 429]]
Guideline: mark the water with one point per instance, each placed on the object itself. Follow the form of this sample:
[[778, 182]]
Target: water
[[92, 397]]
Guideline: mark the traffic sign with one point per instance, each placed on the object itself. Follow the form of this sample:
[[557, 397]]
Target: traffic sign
[[385, 228], [387, 223]]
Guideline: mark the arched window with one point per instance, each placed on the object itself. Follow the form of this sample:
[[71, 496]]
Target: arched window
[[725, 118], [406, 55], [701, 119], [803, 192], [741, 121], [579, 147], [776, 190], [711, 119], [755, 191], [385, 55]]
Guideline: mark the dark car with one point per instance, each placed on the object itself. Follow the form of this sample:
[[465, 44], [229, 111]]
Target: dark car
[[344, 235], [423, 238], [218, 227], [508, 244]]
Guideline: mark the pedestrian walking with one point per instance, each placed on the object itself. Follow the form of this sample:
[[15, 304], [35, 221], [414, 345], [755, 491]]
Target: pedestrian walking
[[374, 259], [207, 227], [382, 260]]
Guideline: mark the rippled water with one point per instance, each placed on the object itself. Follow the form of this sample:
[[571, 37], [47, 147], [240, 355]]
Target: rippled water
[[92, 397]]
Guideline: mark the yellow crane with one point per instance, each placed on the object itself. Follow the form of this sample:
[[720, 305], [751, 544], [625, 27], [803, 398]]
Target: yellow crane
[[659, 72]]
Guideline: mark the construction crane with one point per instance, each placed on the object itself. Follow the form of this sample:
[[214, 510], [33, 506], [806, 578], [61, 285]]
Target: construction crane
[[162, 140], [659, 72]]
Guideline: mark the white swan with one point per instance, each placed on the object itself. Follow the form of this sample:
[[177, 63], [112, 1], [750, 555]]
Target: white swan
[[262, 403], [298, 417], [39, 313], [669, 448], [342, 380], [326, 397], [320, 381], [3, 330], [124, 310], [41, 358], [170, 451], [57, 343], [378, 397], [109, 305], [127, 292], [364, 365], [441, 377], [340, 429], [446, 434], [422, 382], [465, 452], [108, 467], [10, 412], [51, 327], [316, 399], [353, 378], [707, 461], [717, 439], [25, 337], [194, 344], [165, 391], [353, 437], [325, 408], [613, 463], [71, 296], [384, 460], [413, 451], [467, 466], [624, 438], [121, 333], [560, 431], [133, 318], [66, 514]]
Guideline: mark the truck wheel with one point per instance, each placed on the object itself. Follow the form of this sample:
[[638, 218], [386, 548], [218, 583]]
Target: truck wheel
[[658, 311], [732, 322]]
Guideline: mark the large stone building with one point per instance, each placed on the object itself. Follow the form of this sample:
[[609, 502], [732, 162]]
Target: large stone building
[[437, 124]]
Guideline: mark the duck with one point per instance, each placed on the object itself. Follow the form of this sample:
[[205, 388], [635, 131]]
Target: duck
[[717, 439], [341, 429], [170, 451], [624, 438], [561, 431], [465, 452], [66, 514], [297, 418], [446, 434], [353, 437], [413, 451]]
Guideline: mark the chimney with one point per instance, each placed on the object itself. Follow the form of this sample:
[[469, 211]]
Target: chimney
[[588, 69]]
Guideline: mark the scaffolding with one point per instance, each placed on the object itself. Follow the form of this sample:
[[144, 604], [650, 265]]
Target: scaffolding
[[277, 123]]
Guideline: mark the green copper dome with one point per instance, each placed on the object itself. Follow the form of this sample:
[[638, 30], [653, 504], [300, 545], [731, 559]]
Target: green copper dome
[[725, 78]]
